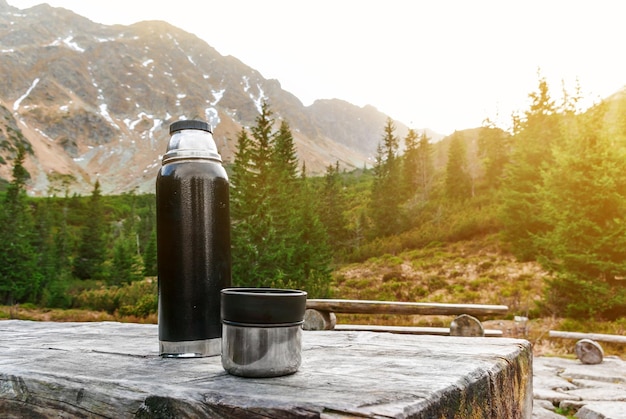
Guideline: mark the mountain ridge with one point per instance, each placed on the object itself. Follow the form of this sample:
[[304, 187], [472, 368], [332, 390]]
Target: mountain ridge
[[92, 101]]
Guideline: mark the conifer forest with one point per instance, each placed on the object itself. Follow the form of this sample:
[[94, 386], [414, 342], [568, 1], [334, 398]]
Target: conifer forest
[[552, 189]]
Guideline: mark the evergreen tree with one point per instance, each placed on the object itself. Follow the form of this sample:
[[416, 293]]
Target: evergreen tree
[[410, 165], [311, 252], [283, 179], [532, 142], [149, 256], [127, 265], [424, 167], [493, 148], [386, 196], [458, 179], [242, 188], [20, 279], [254, 234], [92, 251], [584, 203], [332, 207], [270, 226]]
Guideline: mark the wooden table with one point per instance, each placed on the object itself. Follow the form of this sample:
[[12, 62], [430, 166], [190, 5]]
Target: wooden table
[[113, 370]]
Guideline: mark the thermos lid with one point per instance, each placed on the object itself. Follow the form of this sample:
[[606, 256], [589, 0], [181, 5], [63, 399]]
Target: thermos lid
[[189, 124], [191, 139]]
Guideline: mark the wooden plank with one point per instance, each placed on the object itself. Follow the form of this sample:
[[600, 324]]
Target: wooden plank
[[593, 336], [398, 307], [113, 370], [408, 330]]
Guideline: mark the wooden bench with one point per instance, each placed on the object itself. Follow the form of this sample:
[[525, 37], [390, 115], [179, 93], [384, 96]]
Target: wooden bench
[[320, 315]]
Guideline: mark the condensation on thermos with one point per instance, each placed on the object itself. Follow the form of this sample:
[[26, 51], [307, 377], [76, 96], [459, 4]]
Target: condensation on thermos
[[193, 242]]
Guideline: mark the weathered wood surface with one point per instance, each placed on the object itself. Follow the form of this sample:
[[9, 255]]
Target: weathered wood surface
[[592, 336], [113, 370], [398, 307], [408, 330]]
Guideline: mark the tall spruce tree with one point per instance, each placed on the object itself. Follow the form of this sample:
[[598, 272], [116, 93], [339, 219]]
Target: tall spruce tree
[[20, 278], [424, 167], [458, 179], [332, 205], [273, 233], [584, 203], [410, 164], [493, 148], [92, 251], [533, 139], [386, 197]]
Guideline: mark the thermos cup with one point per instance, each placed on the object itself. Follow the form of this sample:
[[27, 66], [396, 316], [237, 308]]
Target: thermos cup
[[193, 242]]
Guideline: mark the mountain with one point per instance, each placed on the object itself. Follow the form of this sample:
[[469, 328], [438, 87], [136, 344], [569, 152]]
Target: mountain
[[95, 101]]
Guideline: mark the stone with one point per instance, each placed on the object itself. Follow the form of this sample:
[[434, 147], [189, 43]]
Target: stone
[[602, 410], [589, 352], [466, 325]]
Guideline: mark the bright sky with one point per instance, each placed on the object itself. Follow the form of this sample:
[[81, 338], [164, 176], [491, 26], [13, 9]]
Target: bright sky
[[439, 64]]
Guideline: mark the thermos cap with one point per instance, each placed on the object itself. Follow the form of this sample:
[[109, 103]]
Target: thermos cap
[[191, 139], [189, 124]]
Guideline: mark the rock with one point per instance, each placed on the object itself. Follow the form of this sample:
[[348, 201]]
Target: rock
[[466, 325], [589, 351], [602, 410], [543, 409]]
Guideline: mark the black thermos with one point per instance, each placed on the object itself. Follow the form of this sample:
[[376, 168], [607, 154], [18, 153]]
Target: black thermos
[[193, 242]]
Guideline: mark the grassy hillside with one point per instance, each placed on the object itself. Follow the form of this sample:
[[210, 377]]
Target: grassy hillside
[[478, 271]]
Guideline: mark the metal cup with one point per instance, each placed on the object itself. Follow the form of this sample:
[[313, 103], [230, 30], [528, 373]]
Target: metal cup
[[262, 331]]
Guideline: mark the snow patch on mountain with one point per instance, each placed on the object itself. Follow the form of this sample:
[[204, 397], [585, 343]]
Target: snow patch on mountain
[[16, 104]]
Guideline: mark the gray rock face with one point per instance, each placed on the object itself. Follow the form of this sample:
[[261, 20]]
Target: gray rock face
[[594, 391]]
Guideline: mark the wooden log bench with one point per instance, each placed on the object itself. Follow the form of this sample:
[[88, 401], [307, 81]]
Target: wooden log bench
[[113, 370], [320, 315]]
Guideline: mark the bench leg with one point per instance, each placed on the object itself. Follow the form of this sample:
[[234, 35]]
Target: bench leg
[[319, 320], [466, 325]]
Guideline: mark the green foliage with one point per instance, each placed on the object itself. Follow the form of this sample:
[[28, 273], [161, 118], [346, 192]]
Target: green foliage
[[20, 280], [458, 179], [386, 196], [138, 298], [554, 188], [493, 147], [278, 239], [92, 252], [333, 205], [532, 151], [565, 205]]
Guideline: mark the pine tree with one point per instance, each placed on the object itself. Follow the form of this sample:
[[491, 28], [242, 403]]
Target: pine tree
[[92, 251], [332, 207], [386, 197], [425, 168], [270, 226], [149, 256], [127, 265], [493, 147], [311, 255], [410, 164], [584, 203], [458, 179], [532, 142], [20, 279]]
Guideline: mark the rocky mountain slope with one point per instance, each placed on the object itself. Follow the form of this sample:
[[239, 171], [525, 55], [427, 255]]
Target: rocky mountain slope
[[95, 101]]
